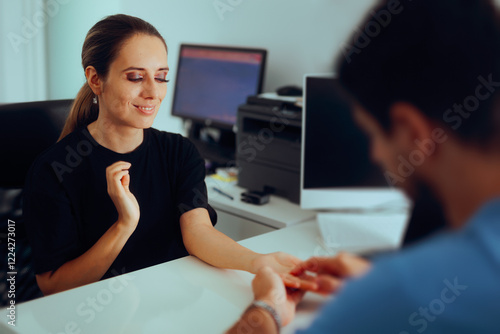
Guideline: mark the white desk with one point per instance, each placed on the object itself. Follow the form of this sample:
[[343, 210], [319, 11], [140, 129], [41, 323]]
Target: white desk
[[181, 296], [241, 220]]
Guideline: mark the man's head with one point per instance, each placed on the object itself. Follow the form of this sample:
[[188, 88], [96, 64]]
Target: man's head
[[425, 74]]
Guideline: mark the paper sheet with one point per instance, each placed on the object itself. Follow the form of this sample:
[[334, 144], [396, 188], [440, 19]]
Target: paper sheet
[[362, 232]]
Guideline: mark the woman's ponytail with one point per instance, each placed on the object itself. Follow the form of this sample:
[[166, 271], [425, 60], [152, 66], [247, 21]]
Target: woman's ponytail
[[83, 111]]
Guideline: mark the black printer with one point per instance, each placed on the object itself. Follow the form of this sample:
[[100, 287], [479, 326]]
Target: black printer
[[268, 146]]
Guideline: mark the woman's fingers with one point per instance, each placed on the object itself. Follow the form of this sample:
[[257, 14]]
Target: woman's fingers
[[342, 265], [304, 282], [118, 180], [314, 264], [322, 284], [118, 175], [126, 180], [115, 184], [117, 166]]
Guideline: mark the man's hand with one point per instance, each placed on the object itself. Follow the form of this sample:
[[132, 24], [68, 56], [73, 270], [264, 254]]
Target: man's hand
[[283, 263], [268, 286], [330, 272]]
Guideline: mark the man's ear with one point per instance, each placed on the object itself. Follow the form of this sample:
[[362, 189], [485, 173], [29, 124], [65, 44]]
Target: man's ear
[[410, 126], [93, 80]]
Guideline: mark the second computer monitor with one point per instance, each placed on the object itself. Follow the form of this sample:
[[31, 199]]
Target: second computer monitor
[[336, 170], [212, 81]]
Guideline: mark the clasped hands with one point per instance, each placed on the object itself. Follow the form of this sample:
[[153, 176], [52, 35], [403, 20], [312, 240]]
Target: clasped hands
[[323, 275]]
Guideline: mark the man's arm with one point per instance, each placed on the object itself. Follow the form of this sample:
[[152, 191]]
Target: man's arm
[[274, 305], [255, 320], [268, 287]]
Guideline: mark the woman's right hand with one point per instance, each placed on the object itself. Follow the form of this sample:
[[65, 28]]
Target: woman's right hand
[[118, 179]]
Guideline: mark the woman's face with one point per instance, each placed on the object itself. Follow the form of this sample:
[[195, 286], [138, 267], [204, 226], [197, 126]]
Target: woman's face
[[136, 83]]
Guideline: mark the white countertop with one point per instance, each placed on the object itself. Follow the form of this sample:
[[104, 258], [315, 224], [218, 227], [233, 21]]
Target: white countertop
[[181, 296], [278, 213]]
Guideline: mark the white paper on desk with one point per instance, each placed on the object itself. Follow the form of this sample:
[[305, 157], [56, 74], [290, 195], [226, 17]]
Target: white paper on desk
[[358, 232], [275, 96], [353, 199]]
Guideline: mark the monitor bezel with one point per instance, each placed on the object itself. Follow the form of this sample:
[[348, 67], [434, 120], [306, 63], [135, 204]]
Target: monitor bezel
[[341, 198], [212, 122]]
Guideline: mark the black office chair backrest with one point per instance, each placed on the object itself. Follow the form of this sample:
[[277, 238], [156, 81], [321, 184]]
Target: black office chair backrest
[[26, 130]]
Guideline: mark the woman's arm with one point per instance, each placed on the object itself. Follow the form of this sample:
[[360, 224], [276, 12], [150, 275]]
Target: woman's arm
[[202, 240], [93, 264], [88, 267]]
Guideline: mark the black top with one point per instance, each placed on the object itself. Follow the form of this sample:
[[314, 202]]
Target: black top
[[67, 208]]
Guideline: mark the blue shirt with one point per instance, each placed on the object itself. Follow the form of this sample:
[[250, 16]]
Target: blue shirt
[[448, 284]]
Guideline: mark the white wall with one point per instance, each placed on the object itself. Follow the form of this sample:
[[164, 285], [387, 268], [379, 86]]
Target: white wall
[[23, 50], [66, 32], [40, 46], [301, 36]]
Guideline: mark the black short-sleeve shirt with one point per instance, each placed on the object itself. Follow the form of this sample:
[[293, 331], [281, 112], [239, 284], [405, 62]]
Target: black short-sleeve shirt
[[67, 208]]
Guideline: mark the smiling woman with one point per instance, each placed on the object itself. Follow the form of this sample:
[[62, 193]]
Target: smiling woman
[[115, 195], [131, 93]]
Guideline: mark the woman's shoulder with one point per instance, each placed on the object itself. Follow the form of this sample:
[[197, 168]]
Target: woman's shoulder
[[169, 139], [64, 154], [173, 147]]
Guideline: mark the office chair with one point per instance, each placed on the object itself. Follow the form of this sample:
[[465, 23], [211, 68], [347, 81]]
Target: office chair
[[26, 130]]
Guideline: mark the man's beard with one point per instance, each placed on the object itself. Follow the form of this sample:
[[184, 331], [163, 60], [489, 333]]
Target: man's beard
[[427, 216]]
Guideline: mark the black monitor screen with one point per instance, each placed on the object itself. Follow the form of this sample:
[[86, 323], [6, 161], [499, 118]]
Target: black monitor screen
[[213, 81], [336, 152]]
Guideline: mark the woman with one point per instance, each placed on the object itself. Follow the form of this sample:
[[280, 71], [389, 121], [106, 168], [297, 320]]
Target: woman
[[114, 195]]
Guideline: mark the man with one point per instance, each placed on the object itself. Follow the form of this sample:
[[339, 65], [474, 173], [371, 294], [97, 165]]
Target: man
[[425, 77]]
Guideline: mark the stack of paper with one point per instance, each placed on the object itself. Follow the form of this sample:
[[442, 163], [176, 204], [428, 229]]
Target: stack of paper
[[362, 232]]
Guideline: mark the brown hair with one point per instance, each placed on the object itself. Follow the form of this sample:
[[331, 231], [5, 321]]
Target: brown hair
[[433, 57], [101, 47]]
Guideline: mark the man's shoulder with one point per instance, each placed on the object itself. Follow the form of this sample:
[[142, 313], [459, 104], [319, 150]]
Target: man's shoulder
[[410, 289], [448, 253], [441, 269]]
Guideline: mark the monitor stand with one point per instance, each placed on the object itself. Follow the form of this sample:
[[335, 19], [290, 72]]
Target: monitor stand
[[217, 146]]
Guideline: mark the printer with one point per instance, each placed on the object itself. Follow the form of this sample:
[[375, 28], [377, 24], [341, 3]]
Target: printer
[[268, 146]]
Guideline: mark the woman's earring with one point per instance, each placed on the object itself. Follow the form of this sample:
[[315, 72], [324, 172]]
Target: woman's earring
[[94, 100]]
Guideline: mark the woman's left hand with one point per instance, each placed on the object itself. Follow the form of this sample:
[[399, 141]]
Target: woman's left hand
[[283, 264], [280, 262]]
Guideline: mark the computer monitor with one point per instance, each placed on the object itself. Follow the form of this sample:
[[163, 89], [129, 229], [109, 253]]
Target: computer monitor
[[336, 169], [212, 81]]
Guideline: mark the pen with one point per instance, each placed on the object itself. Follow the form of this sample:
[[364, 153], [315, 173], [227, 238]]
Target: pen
[[223, 193]]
